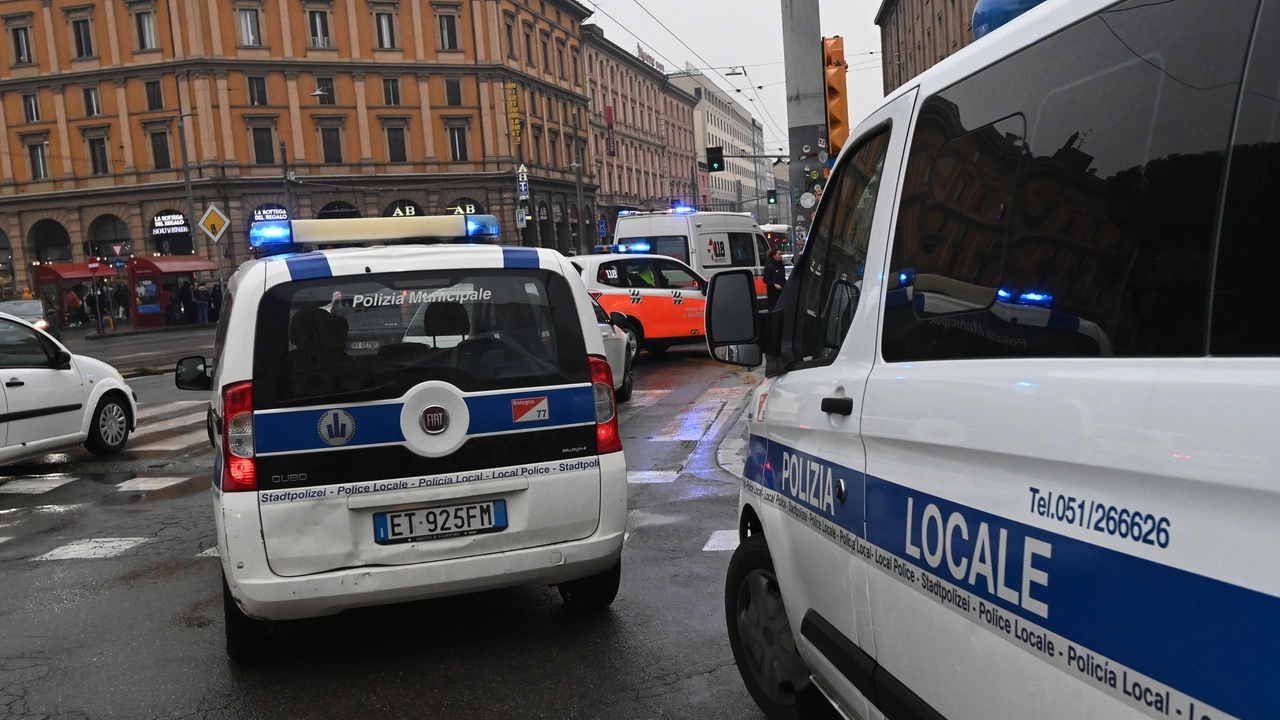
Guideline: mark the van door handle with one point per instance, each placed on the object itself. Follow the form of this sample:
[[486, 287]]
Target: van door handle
[[837, 405], [14, 382]]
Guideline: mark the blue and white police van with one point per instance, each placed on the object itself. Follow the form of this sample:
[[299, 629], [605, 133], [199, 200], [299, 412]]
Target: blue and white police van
[[1015, 455], [407, 421]]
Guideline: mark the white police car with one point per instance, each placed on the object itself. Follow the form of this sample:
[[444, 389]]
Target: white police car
[[1016, 453], [405, 422]]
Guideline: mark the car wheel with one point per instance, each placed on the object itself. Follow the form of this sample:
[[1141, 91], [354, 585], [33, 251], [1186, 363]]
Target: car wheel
[[623, 393], [594, 593], [657, 348], [247, 638], [760, 634], [634, 338], [109, 426]]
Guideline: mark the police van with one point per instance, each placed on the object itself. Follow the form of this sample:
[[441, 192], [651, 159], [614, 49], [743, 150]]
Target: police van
[[709, 242], [1015, 455], [404, 421]]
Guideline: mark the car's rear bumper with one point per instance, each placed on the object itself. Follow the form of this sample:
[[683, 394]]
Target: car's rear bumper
[[263, 594]]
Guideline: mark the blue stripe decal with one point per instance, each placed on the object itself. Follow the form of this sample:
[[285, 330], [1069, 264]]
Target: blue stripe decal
[[497, 413], [318, 429], [308, 267], [520, 257], [1207, 640]]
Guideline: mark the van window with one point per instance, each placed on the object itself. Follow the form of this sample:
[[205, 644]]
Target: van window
[[1245, 303], [831, 269], [372, 337], [675, 246], [742, 252], [762, 248], [1105, 247]]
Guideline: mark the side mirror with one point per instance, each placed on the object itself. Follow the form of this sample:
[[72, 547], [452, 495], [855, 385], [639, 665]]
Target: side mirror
[[617, 319], [193, 373], [62, 360], [733, 324]]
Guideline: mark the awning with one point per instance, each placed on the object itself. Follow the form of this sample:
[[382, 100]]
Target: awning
[[172, 264], [57, 272]]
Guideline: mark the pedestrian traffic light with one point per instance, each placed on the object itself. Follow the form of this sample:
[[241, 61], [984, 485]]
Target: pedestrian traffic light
[[773, 197], [715, 159], [834, 68]]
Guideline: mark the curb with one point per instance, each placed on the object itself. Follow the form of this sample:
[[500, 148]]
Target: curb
[[733, 442], [133, 375], [148, 331]]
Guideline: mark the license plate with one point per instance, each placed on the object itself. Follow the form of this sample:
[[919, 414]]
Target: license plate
[[364, 345], [438, 523]]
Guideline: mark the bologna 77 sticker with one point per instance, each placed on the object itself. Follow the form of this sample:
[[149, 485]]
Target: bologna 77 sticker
[[533, 409]]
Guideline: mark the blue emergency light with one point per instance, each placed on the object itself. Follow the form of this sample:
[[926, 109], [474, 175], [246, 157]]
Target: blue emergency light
[[683, 209], [270, 232], [638, 247], [482, 226]]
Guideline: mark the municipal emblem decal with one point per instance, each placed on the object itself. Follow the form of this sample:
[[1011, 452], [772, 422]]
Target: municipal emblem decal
[[336, 427], [534, 409], [635, 297], [435, 420], [676, 297]]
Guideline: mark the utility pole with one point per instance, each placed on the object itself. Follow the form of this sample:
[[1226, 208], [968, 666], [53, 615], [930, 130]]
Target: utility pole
[[186, 179], [578, 144], [288, 191], [806, 110]]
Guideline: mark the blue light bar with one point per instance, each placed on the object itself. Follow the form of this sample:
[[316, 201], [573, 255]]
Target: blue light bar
[[624, 213], [639, 247], [906, 277], [271, 232], [1004, 295], [482, 226], [1035, 298], [682, 209]]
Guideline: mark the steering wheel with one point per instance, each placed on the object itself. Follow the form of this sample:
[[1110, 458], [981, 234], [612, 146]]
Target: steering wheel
[[468, 348]]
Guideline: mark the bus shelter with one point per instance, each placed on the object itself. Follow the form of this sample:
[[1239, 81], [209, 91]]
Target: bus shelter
[[154, 280], [53, 280]]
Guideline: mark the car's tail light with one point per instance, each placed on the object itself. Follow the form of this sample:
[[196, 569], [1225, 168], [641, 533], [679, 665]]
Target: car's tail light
[[238, 471], [595, 294], [608, 439]]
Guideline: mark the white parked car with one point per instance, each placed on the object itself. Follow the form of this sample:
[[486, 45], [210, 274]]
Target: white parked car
[[54, 400], [466, 440], [620, 348]]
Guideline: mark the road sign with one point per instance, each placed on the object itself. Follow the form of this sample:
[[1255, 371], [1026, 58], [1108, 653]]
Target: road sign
[[214, 223], [93, 265], [117, 248], [522, 170], [522, 177], [522, 188], [604, 228], [522, 220], [119, 264]]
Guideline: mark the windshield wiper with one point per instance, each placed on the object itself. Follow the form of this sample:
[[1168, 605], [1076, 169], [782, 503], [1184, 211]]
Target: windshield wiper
[[346, 395]]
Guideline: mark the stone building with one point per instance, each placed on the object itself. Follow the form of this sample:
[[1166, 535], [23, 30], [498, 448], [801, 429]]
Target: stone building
[[721, 121], [915, 35]]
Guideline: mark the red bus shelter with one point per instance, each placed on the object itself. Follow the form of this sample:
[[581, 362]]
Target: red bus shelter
[[53, 280], [151, 276]]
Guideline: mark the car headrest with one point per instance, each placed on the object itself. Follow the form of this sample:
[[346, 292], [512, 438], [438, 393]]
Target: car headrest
[[310, 328], [445, 318]]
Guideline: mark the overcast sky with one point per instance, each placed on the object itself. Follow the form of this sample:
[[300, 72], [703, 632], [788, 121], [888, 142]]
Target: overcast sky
[[746, 32]]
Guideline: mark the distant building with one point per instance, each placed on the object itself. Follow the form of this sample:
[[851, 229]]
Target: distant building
[[915, 35], [721, 121]]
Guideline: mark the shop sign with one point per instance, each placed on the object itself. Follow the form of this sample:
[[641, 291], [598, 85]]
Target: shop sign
[[169, 223]]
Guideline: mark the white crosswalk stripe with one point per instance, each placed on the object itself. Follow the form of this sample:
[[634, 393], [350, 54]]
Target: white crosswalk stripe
[[644, 477], [695, 423], [143, 484], [35, 486], [640, 399], [149, 411], [92, 548], [213, 552], [170, 424], [4, 539], [179, 442], [721, 540]]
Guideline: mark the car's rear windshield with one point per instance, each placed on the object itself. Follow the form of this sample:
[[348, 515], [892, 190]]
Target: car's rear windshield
[[370, 337], [23, 308]]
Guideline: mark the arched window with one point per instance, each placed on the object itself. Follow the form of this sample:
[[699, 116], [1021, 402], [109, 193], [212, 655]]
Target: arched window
[[50, 241], [337, 209], [104, 232]]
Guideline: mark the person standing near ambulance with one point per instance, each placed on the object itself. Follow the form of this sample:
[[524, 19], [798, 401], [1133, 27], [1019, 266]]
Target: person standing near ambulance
[[775, 276]]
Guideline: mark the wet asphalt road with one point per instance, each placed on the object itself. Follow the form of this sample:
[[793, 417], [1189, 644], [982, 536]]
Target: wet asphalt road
[[135, 629]]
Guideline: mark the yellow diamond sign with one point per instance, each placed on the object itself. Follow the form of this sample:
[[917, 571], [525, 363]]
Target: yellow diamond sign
[[214, 223]]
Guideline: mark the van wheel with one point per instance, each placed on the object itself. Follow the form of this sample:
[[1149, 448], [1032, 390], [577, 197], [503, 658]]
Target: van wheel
[[760, 634], [247, 638], [109, 426], [594, 593], [623, 393]]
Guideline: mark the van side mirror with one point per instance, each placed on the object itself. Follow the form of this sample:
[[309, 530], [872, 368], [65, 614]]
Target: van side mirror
[[193, 373], [732, 322]]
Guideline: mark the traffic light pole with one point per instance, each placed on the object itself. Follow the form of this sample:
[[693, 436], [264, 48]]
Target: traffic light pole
[[806, 112]]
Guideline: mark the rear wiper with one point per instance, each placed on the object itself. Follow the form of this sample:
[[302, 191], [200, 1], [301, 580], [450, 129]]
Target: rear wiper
[[346, 395]]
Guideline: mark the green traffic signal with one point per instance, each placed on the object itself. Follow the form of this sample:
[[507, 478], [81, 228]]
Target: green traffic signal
[[715, 159], [773, 197]]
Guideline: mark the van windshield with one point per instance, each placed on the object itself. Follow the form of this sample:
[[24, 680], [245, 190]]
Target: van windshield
[[371, 337], [676, 246]]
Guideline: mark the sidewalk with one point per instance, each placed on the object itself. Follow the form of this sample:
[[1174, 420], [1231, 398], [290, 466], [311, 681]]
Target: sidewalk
[[731, 455], [123, 330]]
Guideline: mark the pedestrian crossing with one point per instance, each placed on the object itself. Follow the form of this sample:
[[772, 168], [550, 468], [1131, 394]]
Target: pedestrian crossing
[[159, 428]]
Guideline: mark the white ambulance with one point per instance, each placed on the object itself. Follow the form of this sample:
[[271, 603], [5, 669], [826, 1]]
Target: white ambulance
[[709, 242], [402, 422], [1016, 453]]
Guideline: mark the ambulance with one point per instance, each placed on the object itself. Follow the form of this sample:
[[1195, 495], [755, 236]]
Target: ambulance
[[709, 242], [1015, 455], [467, 440]]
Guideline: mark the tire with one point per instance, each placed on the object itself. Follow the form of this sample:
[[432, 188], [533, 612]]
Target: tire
[[623, 393], [109, 426], [657, 348], [761, 637], [635, 336], [594, 593], [247, 639]]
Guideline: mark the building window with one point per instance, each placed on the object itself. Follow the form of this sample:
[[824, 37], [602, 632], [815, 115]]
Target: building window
[[257, 91], [395, 145], [331, 143], [546, 53], [511, 38], [31, 107], [386, 26], [38, 153], [22, 54], [453, 92], [448, 32], [92, 102], [391, 91], [560, 60], [160, 150], [327, 96], [458, 143], [101, 165], [319, 21], [82, 32], [146, 26], [250, 33], [155, 95], [528, 44], [264, 147], [577, 62]]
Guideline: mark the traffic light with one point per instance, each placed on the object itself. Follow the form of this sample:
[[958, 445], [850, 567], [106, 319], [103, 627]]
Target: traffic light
[[773, 197], [715, 159], [834, 68]]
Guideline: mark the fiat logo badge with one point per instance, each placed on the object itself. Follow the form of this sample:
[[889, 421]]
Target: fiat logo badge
[[435, 420]]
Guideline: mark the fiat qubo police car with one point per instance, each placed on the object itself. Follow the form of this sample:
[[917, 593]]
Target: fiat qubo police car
[[1016, 455], [408, 421]]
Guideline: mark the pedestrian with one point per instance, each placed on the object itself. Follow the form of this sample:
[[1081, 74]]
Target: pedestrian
[[202, 305], [122, 301], [775, 276], [74, 308], [187, 298], [26, 294], [215, 303], [169, 302]]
